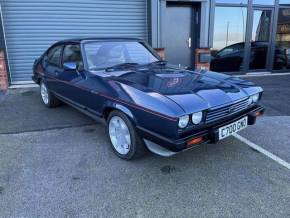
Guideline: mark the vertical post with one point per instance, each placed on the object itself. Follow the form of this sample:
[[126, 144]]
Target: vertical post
[[155, 9], [204, 20], [211, 23], [249, 26], [3, 72], [227, 36], [3, 64], [161, 52], [270, 65]]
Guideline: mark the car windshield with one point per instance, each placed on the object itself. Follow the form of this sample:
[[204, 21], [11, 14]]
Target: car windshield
[[102, 55]]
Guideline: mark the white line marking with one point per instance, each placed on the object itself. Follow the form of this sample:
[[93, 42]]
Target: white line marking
[[258, 73], [263, 151], [264, 74]]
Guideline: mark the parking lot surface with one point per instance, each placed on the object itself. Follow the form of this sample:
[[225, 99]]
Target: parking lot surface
[[58, 163], [276, 94]]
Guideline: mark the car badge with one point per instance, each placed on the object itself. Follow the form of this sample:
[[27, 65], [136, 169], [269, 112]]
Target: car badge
[[231, 110]]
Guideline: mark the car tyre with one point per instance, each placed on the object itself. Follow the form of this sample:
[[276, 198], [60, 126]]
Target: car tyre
[[47, 97], [123, 137]]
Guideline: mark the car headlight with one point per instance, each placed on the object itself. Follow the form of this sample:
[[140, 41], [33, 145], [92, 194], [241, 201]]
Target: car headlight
[[183, 121], [250, 100], [196, 117], [255, 97]]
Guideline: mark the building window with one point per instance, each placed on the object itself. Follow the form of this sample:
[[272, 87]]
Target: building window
[[228, 39], [282, 51], [232, 1], [260, 39], [284, 2], [263, 2]]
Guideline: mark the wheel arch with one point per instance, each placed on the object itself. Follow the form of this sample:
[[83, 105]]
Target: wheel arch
[[39, 80], [108, 108]]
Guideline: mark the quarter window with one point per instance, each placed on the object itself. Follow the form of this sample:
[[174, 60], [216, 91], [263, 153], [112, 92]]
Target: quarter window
[[54, 55]]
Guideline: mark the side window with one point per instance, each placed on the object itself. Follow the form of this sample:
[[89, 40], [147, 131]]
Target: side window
[[226, 51], [54, 55], [72, 53], [231, 49]]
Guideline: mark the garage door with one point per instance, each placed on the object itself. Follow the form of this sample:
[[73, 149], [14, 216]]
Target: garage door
[[31, 26]]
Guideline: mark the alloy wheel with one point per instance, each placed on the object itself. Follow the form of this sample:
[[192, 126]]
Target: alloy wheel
[[44, 93], [119, 135]]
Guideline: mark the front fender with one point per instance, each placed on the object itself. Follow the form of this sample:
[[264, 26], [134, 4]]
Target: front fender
[[120, 107]]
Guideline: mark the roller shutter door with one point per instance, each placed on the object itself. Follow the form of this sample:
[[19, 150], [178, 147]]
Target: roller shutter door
[[31, 26]]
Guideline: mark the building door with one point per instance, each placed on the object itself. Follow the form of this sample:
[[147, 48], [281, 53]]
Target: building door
[[178, 40], [259, 46]]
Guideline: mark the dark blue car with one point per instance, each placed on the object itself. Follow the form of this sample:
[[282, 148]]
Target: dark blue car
[[144, 102]]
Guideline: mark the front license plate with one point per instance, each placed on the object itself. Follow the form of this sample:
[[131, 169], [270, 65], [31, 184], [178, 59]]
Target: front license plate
[[230, 129]]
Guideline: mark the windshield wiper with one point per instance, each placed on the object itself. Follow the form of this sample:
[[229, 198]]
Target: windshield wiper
[[159, 62], [122, 65]]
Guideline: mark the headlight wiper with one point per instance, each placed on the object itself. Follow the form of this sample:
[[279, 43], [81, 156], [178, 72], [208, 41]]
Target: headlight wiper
[[122, 65]]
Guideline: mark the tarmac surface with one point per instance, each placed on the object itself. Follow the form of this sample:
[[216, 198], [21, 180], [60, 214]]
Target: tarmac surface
[[58, 163]]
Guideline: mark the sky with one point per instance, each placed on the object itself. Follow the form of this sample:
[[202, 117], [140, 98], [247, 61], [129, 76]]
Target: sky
[[235, 19]]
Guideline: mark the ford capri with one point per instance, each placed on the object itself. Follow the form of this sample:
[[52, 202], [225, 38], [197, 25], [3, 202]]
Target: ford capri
[[144, 102]]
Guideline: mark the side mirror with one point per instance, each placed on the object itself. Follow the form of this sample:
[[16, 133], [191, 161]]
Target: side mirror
[[70, 66]]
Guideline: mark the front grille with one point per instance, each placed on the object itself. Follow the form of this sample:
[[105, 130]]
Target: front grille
[[225, 111]]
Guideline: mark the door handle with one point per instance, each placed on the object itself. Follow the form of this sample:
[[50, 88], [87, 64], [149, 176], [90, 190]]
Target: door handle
[[189, 42], [56, 73]]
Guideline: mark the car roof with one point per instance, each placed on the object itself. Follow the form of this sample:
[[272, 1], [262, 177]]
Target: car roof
[[92, 39], [79, 40]]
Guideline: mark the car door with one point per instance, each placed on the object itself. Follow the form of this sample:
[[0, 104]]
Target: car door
[[69, 79], [52, 66]]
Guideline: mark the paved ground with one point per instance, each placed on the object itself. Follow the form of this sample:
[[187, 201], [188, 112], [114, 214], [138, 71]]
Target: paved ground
[[2, 95], [58, 163], [276, 94], [23, 111]]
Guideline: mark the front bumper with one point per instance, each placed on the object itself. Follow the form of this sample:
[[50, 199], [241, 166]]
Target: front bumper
[[208, 134]]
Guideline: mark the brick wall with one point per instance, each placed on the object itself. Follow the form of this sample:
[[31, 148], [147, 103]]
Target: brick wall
[[199, 65], [161, 52], [3, 72]]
